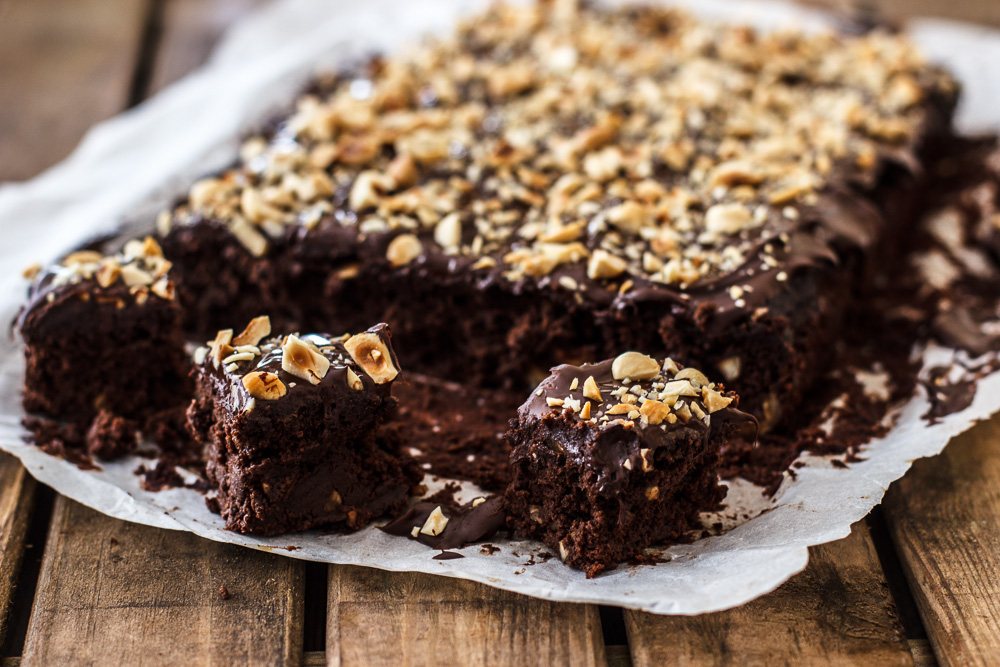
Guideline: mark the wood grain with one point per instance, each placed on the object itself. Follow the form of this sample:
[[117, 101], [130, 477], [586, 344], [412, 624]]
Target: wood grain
[[64, 64], [190, 29], [394, 619], [976, 11], [837, 612], [17, 492], [112, 592], [944, 518]]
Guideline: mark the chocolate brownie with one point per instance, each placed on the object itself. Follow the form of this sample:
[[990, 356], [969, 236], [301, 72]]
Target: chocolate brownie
[[288, 424], [574, 184], [103, 334], [609, 458]]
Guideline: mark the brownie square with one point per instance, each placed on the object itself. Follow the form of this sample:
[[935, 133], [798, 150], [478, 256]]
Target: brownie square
[[288, 424], [103, 333], [610, 458]]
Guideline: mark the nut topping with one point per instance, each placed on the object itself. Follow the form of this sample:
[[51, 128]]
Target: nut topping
[[435, 523], [634, 366], [303, 360], [696, 377], [654, 412], [353, 381], [258, 328], [373, 355], [714, 401], [403, 249], [604, 265], [265, 386], [220, 347]]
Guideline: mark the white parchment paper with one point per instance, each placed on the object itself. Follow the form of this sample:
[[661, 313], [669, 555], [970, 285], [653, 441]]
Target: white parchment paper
[[130, 166]]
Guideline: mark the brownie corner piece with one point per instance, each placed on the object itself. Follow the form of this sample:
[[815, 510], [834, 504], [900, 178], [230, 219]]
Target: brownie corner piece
[[289, 426], [610, 458], [103, 333]]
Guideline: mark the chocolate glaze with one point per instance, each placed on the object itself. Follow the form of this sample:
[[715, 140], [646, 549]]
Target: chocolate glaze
[[611, 457], [466, 524], [332, 347]]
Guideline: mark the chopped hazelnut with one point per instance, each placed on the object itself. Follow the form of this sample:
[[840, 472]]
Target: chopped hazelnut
[[108, 273], [82, 257], [696, 377], [714, 401], [435, 523], [591, 390], [603, 264], [448, 232], [258, 328], [353, 381], [635, 366], [303, 360], [403, 249], [727, 218], [265, 386], [373, 355], [654, 412]]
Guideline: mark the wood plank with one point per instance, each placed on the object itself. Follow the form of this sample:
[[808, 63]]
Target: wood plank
[[977, 11], [64, 64], [190, 29], [944, 518], [837, 612], [393, 619], [17, 493], [112, 592]]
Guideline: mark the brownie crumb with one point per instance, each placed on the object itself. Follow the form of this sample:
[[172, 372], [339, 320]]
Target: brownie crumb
[[111, 436]]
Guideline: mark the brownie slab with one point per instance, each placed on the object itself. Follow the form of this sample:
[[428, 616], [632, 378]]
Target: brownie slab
[[609, 458], [288, 424], [103, 334], [576, 183]]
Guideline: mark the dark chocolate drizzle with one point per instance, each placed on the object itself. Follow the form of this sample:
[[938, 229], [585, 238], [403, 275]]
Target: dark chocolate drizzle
[[466, 524]]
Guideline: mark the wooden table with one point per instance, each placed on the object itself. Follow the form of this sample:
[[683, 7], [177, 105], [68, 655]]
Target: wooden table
[[918, 581]]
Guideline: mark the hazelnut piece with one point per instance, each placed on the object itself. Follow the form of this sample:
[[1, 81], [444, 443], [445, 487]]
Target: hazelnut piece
[[373, 355], [403, 249], [714, 401], [694, 376], [435, 523], [654, 412], [265, 386], [254, 332], [303, 360], [635, 366]]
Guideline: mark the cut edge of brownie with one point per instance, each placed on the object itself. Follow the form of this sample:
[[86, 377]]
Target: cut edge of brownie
[[610, 458], [289, 428]]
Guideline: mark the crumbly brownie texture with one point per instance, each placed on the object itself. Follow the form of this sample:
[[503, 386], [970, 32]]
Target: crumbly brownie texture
[[103, 334], [288, 424], [575, 183], [453, 431], [610, 458]]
